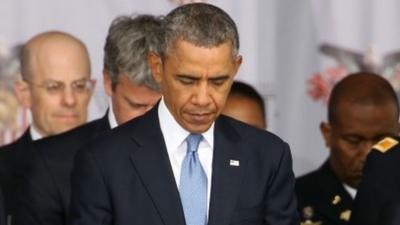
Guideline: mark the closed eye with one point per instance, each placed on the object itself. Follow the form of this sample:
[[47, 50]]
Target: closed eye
[[186, 80], [354, 140], [135, 105], [218, 81]]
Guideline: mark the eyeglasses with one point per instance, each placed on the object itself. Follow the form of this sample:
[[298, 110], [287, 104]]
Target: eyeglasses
[[58, 87]]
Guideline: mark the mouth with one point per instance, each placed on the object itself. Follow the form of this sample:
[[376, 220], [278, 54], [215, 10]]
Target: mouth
[[200, 118], [357, 175], [67, 117]]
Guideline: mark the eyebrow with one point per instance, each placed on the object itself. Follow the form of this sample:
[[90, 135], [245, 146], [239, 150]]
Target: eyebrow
[[220, 77], [53, 80], [187, 76], [216, 78]]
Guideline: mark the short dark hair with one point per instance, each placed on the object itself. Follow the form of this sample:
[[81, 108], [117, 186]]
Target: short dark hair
[[201, 24], [361, 88], [245, 90]]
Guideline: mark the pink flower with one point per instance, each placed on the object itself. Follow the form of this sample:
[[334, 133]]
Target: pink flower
[[320, 84]]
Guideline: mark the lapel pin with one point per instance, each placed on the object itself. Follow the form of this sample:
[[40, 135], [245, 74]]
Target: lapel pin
[[308, 214], [234, 162], [336, 200], [345, 215]]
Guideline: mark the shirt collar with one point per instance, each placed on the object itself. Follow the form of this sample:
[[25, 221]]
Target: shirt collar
[[35, 135], [174, 134], [111, 116], [352, 191]]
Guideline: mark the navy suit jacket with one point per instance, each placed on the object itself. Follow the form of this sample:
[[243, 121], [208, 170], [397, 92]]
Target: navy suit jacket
[[126, 178], [45, 196]]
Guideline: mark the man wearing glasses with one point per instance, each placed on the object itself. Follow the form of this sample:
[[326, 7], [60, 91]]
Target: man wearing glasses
[[56, 87], [132, 91]]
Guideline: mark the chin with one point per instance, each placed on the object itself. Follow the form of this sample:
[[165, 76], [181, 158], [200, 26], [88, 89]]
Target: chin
[[198, 128], [68, 127]]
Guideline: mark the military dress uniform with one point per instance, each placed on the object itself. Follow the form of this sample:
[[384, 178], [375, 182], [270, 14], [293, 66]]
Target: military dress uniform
[[378, 197], [322, 198]]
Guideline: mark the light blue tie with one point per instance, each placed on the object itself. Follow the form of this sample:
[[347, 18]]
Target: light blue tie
[[193, 184]]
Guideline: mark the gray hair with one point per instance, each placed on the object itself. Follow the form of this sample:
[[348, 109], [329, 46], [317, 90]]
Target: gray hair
[[129, 40], [201, 24]]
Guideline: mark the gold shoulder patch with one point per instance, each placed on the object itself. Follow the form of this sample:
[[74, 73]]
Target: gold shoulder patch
[[385, 144]]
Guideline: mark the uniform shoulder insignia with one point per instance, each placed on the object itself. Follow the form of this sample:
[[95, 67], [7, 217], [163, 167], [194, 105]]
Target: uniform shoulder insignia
[[385, 144]]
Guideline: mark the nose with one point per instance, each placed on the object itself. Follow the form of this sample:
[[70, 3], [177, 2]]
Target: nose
[[202, 95], [69, 98]]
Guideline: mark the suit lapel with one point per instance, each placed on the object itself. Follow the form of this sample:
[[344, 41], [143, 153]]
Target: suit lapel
[[103, 125], [25, 138], [152, 163], [228, 167]]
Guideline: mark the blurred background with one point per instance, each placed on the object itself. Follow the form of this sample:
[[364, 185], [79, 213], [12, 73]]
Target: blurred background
[[293, 51]]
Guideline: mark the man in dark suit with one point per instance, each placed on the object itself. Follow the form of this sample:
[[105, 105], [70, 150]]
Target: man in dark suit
[[56, 87], [362, 109], [130, 85], [377, 201], [183, 163]]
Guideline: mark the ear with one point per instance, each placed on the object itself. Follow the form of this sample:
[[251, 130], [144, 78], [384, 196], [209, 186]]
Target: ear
[[107, 82], [237, 61], [326, 131], [23, 93], [156, 67]]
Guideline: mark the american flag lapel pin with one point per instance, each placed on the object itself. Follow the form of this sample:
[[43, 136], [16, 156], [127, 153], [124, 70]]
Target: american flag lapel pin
[[234, 162]]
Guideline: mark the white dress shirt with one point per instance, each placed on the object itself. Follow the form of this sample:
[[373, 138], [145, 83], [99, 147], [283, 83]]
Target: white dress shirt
[[111, 116], [174, 137], [352, 191], [35, 135]]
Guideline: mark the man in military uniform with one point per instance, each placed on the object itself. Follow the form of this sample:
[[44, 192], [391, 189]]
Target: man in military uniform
[[362, 109], [378, 199]]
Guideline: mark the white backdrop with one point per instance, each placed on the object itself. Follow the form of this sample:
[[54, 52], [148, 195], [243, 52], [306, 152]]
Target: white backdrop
[[279, 40]]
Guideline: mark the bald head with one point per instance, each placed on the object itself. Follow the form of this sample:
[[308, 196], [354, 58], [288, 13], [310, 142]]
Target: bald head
[[46, 45], [364, 89], [56, 84]]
